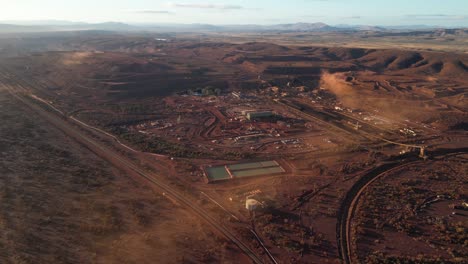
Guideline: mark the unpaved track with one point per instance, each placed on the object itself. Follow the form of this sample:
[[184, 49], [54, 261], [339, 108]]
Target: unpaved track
[[122, 162], [347, 208], [349, 203]]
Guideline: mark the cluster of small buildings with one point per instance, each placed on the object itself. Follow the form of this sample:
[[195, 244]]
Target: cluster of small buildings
[[408, 132], [153, 125]]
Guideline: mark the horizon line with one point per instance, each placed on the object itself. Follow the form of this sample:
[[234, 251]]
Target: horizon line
[[34, 22]]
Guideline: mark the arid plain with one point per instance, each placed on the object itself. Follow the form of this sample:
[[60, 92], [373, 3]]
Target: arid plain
[[111, 144]]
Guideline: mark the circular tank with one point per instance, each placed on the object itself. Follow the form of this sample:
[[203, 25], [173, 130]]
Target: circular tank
[[251, 204]]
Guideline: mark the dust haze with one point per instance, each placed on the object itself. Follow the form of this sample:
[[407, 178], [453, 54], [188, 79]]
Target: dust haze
[[336, 84]]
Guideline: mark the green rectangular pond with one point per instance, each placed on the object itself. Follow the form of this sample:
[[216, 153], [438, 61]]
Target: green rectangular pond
[[252, 165], [217, 173], [257, 172], [241, 170]]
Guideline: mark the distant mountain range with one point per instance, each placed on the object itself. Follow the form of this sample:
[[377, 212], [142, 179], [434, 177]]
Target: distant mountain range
[[55, 25]]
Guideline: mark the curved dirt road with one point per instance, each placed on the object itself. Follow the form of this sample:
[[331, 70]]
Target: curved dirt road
[[349, 203]]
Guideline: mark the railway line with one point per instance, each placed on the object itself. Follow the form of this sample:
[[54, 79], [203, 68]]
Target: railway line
[[119, 161], [331, 127], [349, 203]]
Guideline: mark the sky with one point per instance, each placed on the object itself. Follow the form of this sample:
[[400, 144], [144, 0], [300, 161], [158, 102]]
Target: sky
[[449, 13]]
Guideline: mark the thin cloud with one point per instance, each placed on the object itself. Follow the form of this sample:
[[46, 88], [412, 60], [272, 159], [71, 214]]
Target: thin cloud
[[427, 15], [208, 6], [340, 17], [163, 12], [437, 16], [313, 16]]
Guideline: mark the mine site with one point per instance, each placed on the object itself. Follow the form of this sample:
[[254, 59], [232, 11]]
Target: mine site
[[198, 145]]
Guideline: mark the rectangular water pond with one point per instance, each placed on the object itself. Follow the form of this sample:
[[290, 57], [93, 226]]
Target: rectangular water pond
[[252, 165], [243, 170], [257, 172], [218, 173]]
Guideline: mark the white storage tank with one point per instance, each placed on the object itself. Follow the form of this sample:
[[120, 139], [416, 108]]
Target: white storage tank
[[251, 204]]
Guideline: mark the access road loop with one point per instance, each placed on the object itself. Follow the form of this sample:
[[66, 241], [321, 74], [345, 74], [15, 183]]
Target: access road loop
[[351, 199]]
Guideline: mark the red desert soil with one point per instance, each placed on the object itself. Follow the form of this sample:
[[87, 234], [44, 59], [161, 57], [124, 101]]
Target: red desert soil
[[59, 203], [150, 100], [410, 213]]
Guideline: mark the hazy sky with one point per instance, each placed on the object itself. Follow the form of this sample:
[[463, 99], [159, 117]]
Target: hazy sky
[[370, 12]]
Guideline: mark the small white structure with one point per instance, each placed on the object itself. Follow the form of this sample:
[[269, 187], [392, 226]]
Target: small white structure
[[251, 204], [238, 95]]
